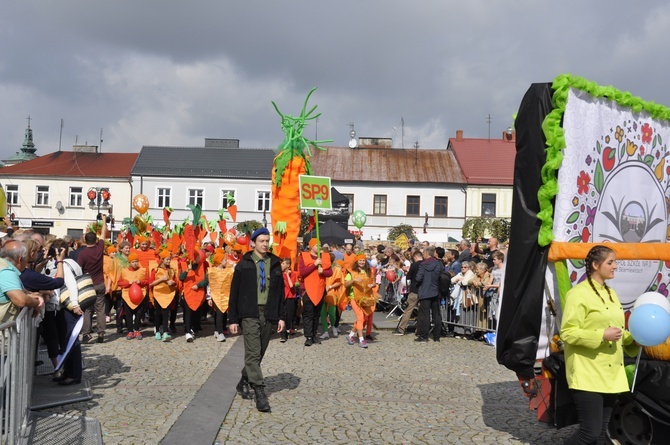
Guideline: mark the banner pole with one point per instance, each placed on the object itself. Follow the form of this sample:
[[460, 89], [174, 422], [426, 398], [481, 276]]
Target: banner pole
[[318, 240]]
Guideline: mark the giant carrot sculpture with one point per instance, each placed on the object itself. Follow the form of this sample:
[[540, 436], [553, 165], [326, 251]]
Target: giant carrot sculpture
[[292, 160]]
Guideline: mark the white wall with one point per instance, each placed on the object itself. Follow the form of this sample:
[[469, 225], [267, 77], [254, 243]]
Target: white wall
[[72, 217], [377, 226], [245, 195], [503, 200]]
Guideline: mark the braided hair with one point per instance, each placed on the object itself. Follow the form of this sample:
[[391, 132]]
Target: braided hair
[[598, 254]]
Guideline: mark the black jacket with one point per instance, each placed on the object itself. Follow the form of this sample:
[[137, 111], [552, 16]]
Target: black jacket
[[411, 277], [244, 291], [428, 278]]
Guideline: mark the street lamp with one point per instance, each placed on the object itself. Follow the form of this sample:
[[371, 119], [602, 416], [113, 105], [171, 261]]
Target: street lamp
[[265, 220], [99, 197]]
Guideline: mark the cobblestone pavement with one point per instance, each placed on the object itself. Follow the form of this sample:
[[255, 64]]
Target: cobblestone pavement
[[395, 392], [140, 387]]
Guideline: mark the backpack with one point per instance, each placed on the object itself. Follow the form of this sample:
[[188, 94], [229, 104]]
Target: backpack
[[445, 284]]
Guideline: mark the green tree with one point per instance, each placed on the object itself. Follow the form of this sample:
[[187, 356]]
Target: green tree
[[482, 227], [395, 232], [304, 223], [248, 227]]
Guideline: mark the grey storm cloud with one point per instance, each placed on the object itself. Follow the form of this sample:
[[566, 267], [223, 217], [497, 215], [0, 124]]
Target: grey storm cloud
[[173, 72]]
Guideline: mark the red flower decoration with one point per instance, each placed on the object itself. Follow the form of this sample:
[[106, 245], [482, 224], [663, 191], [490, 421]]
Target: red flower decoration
[[586, 234], [647, 133], [583, 182]]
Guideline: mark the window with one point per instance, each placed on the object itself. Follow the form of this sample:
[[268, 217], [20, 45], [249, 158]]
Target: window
[[262, 201], [195, 196], [163, 197], [440, 206], [350, 197], [42, 198], [379, 207], [12, 194], [413, 204], [224, 197], [75, 233], [489, 204], [76, 196]]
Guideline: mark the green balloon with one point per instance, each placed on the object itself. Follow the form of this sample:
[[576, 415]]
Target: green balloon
[[359, 218]]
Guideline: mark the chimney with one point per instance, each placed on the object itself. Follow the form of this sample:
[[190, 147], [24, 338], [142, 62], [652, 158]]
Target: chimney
[[459, 135], [509, 135]]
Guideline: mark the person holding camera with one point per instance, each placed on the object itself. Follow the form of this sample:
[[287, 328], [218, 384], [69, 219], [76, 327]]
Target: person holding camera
[[34, 281], [91, 261]]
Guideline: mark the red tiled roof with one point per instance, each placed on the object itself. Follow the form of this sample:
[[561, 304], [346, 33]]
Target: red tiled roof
[[485, 161], [76, 164], [387, 164]]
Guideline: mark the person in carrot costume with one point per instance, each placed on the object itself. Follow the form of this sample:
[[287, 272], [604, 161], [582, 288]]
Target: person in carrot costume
[[145, 255], [360, 284], [314, 270], [334, 288], [195, 282], [220, 278], [120, 263], [108, 272], [164, 288], [291, 286], [132, 274]]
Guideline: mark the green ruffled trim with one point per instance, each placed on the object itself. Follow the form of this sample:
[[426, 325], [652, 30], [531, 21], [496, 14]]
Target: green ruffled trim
[[555, 136]]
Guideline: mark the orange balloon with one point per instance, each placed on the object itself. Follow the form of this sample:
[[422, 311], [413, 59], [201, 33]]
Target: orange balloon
[[141, 203], [229, 238], [135, 293]]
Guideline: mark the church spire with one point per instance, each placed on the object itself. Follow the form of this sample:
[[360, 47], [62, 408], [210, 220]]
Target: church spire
[[28, 147], [27, 151]]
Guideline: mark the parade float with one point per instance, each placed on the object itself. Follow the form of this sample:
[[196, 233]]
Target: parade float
[[591, 167], [291, 162]]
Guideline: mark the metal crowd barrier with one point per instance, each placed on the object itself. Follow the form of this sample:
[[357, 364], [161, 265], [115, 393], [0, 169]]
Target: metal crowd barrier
[[474, 320], [17, 363]]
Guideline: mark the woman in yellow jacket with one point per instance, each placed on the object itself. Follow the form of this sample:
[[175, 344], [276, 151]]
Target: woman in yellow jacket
[[594, 337]]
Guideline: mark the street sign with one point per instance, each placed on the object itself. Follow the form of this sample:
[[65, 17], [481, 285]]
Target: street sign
[[315, 192]]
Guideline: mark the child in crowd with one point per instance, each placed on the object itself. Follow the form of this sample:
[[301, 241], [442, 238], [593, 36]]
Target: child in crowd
[[291, 286], [164, 287], [492, 289], [334, 287], [360, 284], [130, 275], [220, 278], [194, 278]]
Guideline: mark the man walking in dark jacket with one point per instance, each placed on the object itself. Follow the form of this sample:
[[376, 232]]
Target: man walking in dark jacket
[[428, 278], [257, 304]]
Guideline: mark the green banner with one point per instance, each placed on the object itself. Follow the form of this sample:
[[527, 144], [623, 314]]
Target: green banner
[[315, 193]]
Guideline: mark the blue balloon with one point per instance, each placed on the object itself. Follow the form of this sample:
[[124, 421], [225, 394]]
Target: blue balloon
[[649, 324]]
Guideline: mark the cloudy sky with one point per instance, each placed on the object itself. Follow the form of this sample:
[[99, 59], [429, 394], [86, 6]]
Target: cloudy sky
[[173, 72]]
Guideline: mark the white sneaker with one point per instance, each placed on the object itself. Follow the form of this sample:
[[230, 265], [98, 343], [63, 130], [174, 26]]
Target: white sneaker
[[336, 332], [324, 336], [216, 335], [220, 337], [189, 337]]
